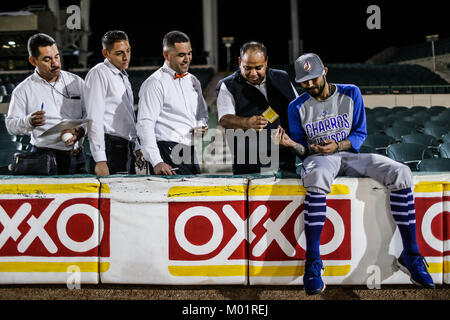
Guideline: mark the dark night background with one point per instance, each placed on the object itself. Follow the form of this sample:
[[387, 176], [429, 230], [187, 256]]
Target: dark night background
[[336, 30]]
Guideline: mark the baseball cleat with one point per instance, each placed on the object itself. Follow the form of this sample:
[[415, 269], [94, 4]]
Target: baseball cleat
[[312, 279], [414, 266]]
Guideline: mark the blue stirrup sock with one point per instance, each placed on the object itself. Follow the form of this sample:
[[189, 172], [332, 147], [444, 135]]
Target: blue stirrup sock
[[315, 208], [404, 213]]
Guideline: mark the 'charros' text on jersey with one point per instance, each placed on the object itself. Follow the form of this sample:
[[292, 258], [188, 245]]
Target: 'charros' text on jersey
[[340, 117]]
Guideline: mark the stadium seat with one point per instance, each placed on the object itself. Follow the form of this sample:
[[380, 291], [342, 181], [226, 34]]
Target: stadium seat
[[400, 109], [380, 109], [3, 94], [374, 127], [419, 108], [444, 150], [436, 132], [419, 117], [410, 124], [6, 156], [385, 120], [367, 149], [6, 138], [408, 153], [436, 123], [9, 88], [437, 109], [434, 165], [399, 131], [379, 142], [420, 138], [446, 138]]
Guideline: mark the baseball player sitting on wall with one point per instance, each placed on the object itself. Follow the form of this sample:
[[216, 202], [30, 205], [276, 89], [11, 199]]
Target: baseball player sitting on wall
[[327, 127]]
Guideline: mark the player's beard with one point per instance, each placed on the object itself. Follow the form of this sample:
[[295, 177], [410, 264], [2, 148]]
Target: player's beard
[[320, 89]]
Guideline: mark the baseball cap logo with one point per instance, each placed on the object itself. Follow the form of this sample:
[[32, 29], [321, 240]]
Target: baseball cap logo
[[307, 66]]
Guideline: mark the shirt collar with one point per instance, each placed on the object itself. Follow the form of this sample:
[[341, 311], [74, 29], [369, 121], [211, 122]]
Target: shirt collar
[[263, 82], [168, 69], [37, 77], [114, 69]]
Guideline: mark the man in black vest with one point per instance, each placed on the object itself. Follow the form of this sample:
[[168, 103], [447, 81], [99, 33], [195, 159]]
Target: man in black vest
[[243, 98]]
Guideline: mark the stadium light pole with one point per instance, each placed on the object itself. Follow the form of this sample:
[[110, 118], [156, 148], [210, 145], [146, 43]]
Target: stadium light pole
[[53, 5], [295, 44], [228, 41], [432, 38]]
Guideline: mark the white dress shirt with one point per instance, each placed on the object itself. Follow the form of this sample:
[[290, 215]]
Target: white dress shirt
[[226, 103], [55, 98], [168, 110], [109, 105]]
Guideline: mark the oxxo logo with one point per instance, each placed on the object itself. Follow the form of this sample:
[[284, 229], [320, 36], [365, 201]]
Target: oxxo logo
[[207, 230], [431, 216], [277, 230], [47, 227]]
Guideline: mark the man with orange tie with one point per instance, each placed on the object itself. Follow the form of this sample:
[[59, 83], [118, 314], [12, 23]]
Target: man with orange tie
[[171, 109]]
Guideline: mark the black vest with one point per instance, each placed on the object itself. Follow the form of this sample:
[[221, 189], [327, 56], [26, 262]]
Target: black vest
[[249, 101]]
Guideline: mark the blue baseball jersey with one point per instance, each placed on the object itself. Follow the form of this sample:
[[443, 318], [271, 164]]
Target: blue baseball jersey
[[340, 117]]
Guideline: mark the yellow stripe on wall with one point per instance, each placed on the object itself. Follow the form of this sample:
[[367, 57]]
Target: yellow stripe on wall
[[208, 191], [446, 267], [209, 271], [295, 271], [429, 186], [435, 267], [51, 188], [291, 190], [26, 266]]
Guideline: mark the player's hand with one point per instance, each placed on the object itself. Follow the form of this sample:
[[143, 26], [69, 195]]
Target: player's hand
[[256, 122], [101, 169], [282, 138], [200, 130], [329, 146], [163, 169], [37, 118]]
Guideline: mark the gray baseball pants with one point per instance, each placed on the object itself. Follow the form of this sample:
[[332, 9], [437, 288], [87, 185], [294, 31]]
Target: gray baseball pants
[[319, 171]]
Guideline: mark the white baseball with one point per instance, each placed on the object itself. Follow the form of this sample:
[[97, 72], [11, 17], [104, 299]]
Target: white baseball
[[66, 136]]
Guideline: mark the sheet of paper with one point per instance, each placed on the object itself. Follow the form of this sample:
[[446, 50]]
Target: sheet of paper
[[63, 125]]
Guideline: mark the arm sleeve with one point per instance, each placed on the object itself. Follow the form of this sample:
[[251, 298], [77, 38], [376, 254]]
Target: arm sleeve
[[17, 121], [83, 107], [295, 124], [150, 105], [95, 90], [202, 107], [358, 132], [225, 102]]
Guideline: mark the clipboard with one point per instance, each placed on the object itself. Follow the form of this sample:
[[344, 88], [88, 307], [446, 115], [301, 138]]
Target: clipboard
[[63, 125]]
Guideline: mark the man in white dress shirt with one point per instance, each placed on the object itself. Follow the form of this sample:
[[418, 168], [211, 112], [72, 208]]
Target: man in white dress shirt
[[109, 105], [45, 98], [171, 109]]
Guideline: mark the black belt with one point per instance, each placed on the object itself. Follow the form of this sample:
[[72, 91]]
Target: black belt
[[119, 140], [52, 150]]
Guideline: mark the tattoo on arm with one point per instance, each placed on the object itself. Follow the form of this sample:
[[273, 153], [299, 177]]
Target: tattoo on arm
[[344, 145], [299, 150]]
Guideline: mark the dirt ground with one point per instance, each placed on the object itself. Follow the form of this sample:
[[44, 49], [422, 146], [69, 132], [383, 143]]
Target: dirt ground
[[147, 292]]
